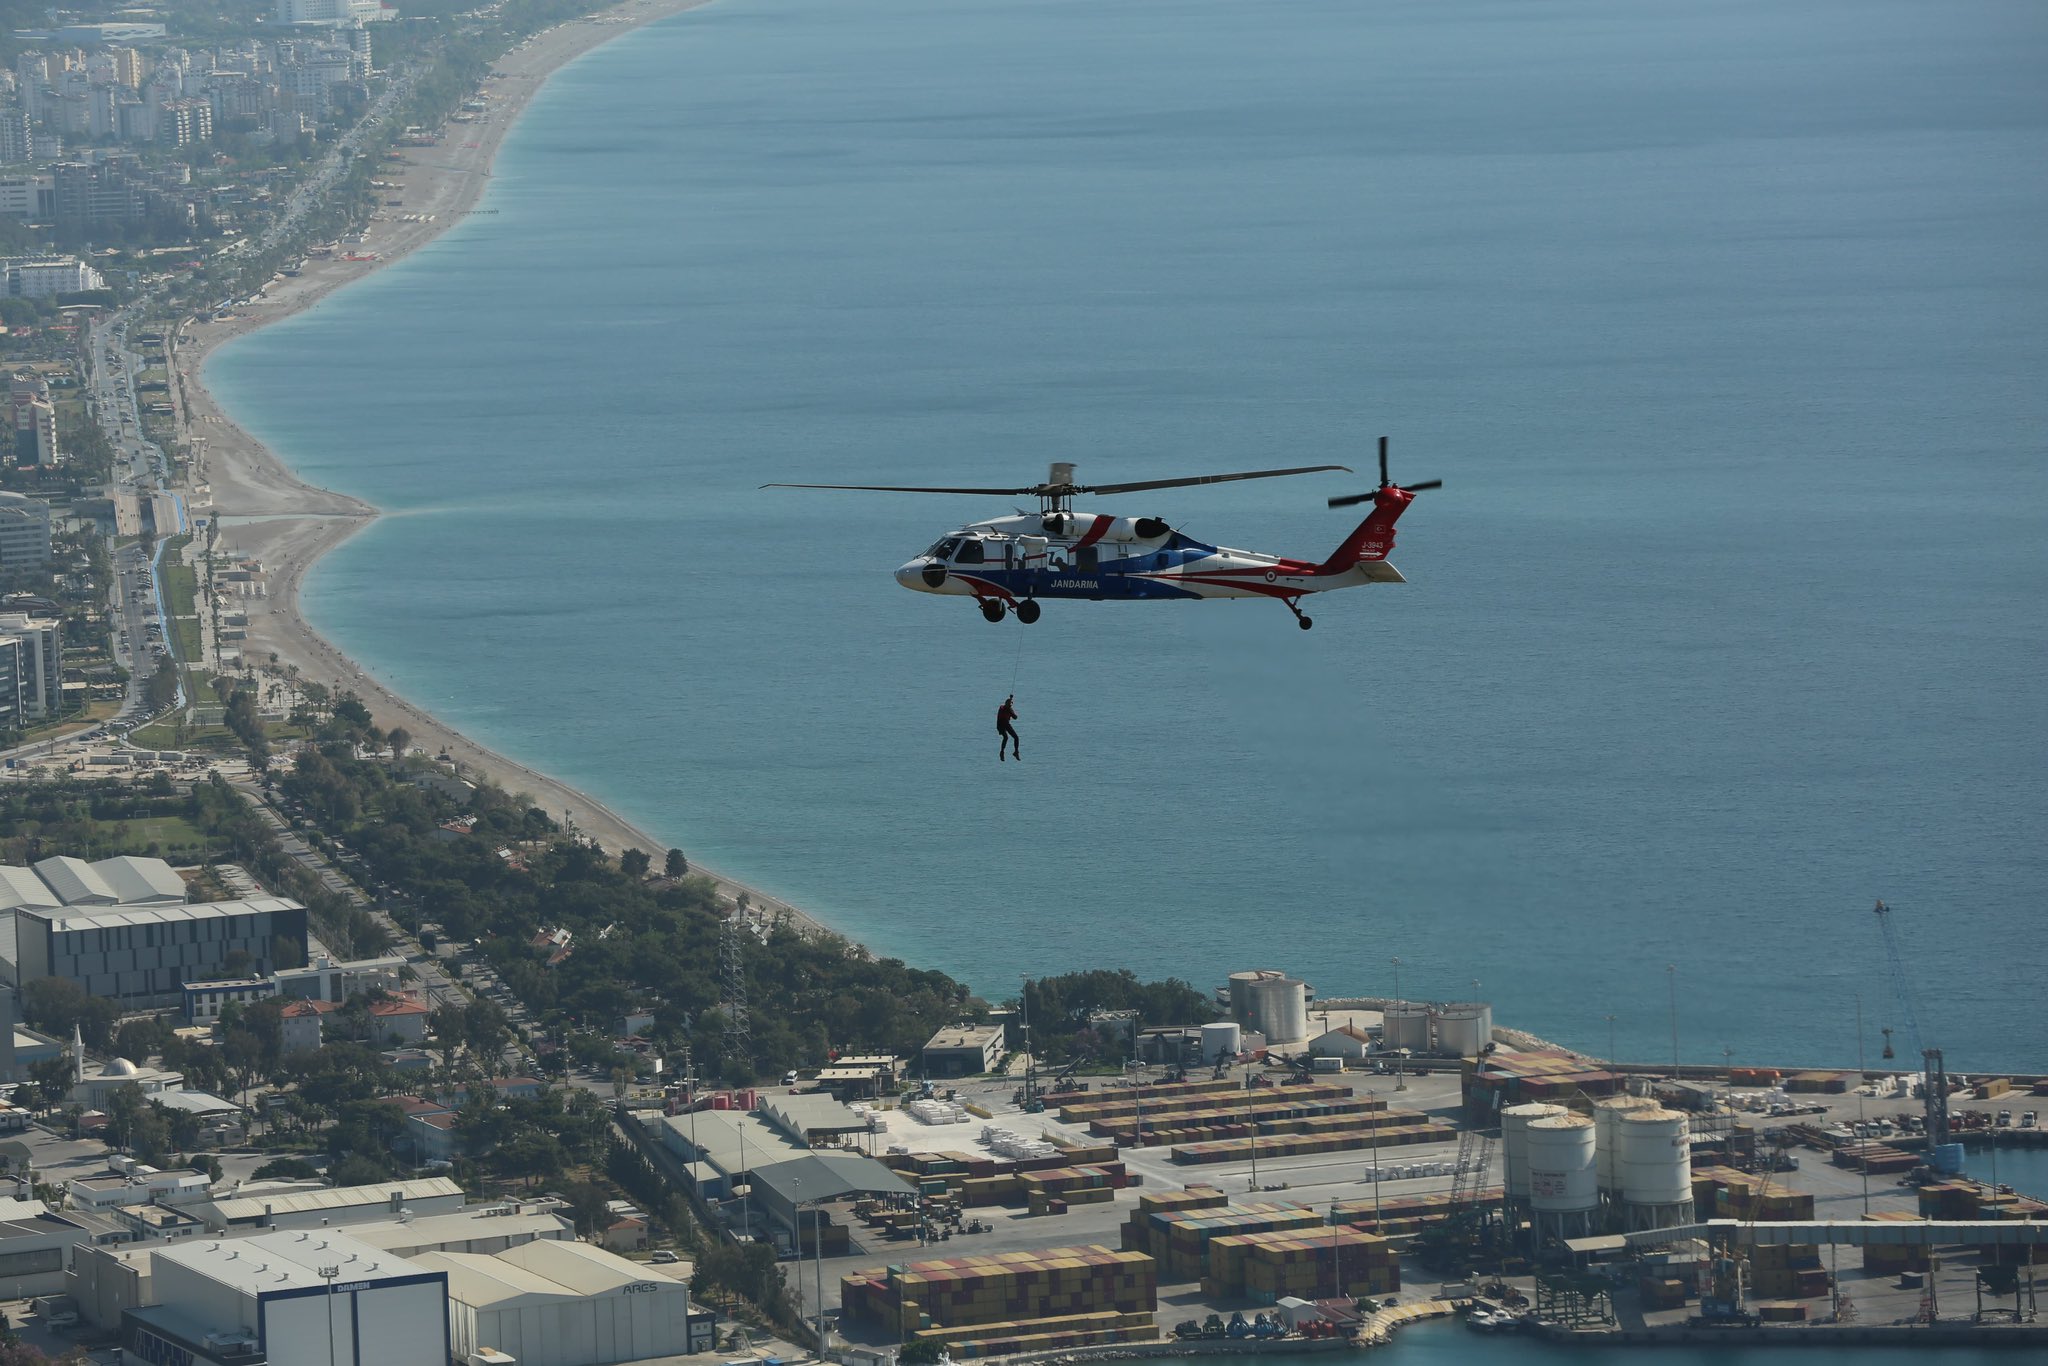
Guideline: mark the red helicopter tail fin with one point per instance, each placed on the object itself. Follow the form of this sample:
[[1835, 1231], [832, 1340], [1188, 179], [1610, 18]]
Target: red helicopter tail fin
[[1374, 537]]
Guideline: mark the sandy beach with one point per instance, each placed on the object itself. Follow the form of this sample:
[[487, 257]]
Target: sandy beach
[[237, 477]]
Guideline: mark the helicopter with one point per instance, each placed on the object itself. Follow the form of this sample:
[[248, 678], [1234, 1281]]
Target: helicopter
[[1008, 565]]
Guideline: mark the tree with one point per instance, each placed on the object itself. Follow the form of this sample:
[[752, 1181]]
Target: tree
[[634, 863], [745, 1269], [55, 1004], [591, 1203], [400, 740], [357, 1170], [675, 865], [285, 1169]]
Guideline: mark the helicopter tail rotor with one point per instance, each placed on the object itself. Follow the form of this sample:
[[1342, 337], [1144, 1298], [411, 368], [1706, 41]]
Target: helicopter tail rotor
[[1353, 499]]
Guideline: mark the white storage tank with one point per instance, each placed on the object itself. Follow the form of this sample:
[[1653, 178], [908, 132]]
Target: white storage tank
[[1564, 1198], [1607, 1113], [1656, 1168], [1463, 1030], [1279, 1008], [1241, 996], [1514, 1144], [1405, 1024], [1224, 1039]]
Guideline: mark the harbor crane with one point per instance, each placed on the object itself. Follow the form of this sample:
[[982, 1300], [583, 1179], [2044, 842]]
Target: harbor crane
[[1933, 1073]]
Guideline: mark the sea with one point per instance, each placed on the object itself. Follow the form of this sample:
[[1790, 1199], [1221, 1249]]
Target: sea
[[1725, 325]]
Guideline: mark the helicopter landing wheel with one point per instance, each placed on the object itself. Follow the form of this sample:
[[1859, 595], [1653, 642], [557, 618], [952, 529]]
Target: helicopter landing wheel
[[991, 609], [1307, 622], [1302, 621], [1027, 611]]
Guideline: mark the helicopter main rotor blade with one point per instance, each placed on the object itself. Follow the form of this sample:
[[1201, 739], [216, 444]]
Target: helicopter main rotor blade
[[898, 488], [1144, 484]]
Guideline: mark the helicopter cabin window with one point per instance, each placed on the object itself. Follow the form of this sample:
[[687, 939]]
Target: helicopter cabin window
[[970, 552], [1086, 558], [944, 549]]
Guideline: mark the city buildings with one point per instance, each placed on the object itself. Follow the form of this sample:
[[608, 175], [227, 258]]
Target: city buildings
[[41, 653], [143, 955], [963, 1050], [274, 1294], [23, 531], [32, 416], [324, 980], [42, 277]]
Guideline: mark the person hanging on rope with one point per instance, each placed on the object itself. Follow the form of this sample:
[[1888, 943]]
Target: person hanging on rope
[[1006, 729]]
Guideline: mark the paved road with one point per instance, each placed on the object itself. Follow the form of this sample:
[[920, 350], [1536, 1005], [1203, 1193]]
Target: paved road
[[434, 979]]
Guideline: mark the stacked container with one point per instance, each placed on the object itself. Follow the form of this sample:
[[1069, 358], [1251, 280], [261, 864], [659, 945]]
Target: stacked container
[[1183, 1235], [1296, 1145], [1890, 1259], [1002, 1288], [1309, 1264]]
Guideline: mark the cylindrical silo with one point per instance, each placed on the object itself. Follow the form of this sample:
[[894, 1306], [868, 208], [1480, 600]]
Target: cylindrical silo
[[1463, 1030], [1241, 997], [1564, 1198], [1223, 1039], [1514, 1145], [1656, 1168], [1607, 1113], [1405, 1024], [1279, 1009]]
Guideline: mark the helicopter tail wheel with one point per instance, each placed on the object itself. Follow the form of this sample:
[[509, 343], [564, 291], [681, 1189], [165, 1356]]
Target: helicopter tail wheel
[[1304, 622], [1307, 622], [992, 609], [1027, 611]]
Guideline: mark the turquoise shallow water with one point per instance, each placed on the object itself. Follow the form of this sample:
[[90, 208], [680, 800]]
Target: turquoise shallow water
[[1725, 324]]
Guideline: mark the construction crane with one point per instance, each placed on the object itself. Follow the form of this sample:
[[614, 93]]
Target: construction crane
[[1933, 1074], [1462, 1233]]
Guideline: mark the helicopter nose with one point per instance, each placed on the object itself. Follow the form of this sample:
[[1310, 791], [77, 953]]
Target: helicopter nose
[[911, 575]]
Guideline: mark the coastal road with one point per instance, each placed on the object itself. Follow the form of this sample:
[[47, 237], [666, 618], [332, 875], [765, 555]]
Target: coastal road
[[440, 988]]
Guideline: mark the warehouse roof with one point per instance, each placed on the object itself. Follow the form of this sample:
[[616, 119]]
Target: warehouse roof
[[139, 881], [732, 1140], [76, 882], [827, 1176], [488, 1283], [242, 1207], [21, 887], [813, 1114], [284, 1260], [582, 1268], [71, 919], [432, 1232]]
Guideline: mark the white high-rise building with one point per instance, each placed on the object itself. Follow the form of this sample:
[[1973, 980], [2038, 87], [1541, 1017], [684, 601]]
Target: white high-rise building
[[42, 684]]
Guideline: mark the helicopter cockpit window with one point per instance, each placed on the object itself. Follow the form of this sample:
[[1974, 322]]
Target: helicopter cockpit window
[[970, 552], [944, 549]]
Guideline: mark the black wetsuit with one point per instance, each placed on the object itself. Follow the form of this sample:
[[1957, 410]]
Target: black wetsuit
[[1006, 732]]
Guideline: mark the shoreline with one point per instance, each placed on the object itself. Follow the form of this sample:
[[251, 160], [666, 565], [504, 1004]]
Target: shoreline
[[269, 513]]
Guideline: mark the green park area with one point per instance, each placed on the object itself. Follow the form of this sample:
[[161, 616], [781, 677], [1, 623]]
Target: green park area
[[171, 837]]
